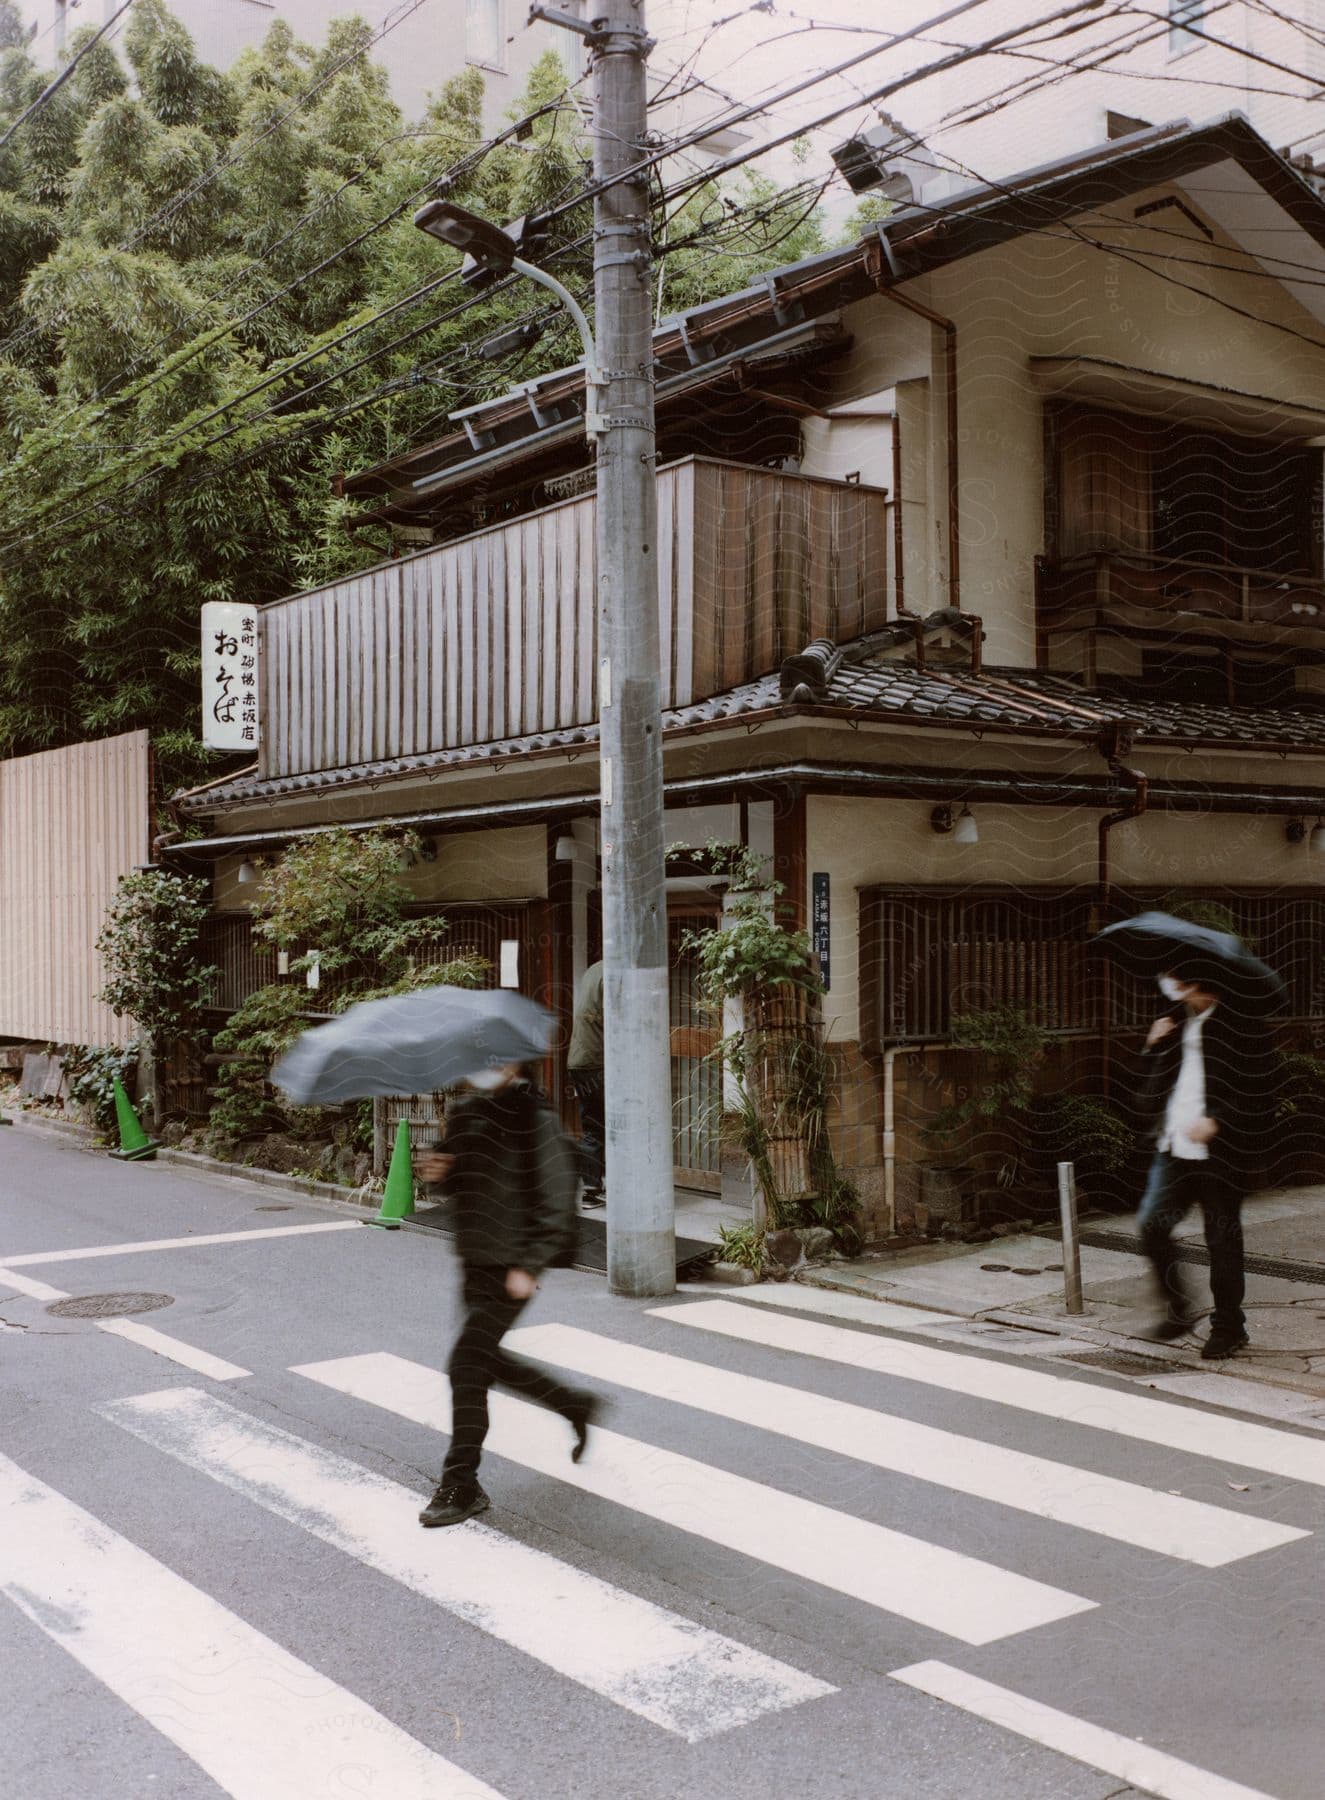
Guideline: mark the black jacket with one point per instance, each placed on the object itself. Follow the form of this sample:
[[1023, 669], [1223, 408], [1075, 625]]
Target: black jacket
[[1241, 1089], [514, 1182]]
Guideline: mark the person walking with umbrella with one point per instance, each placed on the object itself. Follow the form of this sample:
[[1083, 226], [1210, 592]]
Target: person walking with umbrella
[[1210, 1087], [510, 1170], [506, 1163]]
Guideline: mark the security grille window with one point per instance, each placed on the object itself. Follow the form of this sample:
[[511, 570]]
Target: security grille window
[[928, 956], [1181, 14], [483, 33]]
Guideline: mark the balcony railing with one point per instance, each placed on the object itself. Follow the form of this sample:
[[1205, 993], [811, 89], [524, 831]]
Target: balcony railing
[[1116, 587], [495, 635]]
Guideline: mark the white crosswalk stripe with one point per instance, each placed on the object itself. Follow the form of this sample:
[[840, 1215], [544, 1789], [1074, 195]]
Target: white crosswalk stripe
[[960, 1595], [1140, 1765], [640, 1656], [1207, 1434], [259, 1721], [1189, 1530]]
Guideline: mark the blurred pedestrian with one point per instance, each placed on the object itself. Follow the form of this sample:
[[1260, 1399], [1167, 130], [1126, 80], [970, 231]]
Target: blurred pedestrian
[[584, 1066], [1210, 1083], [509, 1169]]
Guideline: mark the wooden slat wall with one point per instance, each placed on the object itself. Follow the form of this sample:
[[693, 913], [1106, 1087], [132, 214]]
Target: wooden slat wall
[[496, 635], [72, 822]]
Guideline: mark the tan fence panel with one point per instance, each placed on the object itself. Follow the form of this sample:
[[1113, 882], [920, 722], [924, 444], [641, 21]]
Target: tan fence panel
[[72, 822]]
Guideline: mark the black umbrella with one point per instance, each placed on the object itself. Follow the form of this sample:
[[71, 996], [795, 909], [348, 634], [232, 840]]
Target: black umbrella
[[1157, 943], [413, 1044]]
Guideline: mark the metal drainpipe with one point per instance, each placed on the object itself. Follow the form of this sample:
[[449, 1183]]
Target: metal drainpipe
[[883, 285], [890, 1128], [1135, 807]]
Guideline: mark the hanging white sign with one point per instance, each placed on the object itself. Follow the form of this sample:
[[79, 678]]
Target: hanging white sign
[[229, 676]]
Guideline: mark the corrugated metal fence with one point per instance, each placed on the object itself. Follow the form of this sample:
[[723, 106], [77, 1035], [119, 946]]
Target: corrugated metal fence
[[72, 821]]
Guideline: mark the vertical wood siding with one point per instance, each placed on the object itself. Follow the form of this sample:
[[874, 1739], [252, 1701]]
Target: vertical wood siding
[[72, 822], [495, 635]]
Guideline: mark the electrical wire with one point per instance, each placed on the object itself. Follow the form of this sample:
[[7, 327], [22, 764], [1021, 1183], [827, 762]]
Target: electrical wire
[[52, 88]]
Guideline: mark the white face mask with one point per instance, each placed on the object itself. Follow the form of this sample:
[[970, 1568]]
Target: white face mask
[[1173, 990], [487, 1081]]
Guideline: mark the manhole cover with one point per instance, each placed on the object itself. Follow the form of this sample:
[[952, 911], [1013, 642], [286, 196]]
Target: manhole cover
[[108, 1306], [995, 1268]]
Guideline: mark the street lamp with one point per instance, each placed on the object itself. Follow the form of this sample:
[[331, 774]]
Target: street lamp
[[495, 250]]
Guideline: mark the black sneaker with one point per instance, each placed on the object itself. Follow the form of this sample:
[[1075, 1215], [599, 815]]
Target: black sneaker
[[1221, 1343], [453, 1504], [594, 1197]]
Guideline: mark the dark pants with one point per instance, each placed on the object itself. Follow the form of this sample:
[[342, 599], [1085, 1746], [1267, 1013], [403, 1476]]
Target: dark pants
[[591, 1092], [478, 1362], [1176, 1184]]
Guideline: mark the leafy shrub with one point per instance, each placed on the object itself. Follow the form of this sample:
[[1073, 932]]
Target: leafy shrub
[[92, 1074], [1081, 1129], [149, 949], [743, 1245], [257, 1033]]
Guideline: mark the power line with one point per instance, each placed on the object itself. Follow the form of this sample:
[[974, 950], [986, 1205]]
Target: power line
[[53, 87]]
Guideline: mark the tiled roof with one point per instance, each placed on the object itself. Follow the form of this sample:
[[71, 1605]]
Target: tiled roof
[[836, 680]]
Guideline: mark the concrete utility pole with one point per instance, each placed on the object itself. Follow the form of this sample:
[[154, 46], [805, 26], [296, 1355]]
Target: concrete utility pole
[[641, 1228]]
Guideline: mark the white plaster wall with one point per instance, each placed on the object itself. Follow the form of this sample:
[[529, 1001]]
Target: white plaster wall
[[864, 842]]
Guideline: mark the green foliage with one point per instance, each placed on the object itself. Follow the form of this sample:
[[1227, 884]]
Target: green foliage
[[742, 1245], [1084, 1130], [92, 1074], [1012, 1046], [340, 895], [754, 953], [158, 223], [149, 950], [260, 1031]]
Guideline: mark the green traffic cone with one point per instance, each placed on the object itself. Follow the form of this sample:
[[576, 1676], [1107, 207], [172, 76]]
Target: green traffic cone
[[398, 1200], [135, 1145]]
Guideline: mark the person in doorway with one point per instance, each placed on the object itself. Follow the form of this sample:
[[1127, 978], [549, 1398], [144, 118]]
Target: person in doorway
[[509, 1169], [1211, 1090], [584, 1066]]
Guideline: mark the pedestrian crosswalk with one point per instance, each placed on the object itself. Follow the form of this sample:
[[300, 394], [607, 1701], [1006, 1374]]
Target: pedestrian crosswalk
[[198, 1672]]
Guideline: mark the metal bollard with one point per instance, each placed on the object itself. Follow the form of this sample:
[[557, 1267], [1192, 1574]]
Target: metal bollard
[[1067, 1202]]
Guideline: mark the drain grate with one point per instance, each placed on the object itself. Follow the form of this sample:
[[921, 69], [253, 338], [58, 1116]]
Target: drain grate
[[108, 1306], [277, 1208]]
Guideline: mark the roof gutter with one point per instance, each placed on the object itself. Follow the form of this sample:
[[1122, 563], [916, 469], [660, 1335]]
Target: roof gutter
[[843, 779]]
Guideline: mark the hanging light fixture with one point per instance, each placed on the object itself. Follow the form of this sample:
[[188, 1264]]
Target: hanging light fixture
[[965, 830], [246, 874], [564, 850], [1316, 842]]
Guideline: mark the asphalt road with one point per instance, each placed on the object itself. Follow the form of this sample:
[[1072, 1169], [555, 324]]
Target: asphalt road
[[808, 1556]]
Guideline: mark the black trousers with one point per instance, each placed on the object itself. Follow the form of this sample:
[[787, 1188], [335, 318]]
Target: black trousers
[[478, 1363], [591, 1092], [1176, 1185]]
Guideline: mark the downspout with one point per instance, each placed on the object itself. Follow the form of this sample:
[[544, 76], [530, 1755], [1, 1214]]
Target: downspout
[[1114, 742], [899, 547], [883, 279], [890, 1128]]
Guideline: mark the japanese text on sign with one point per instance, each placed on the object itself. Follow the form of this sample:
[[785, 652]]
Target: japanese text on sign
[[820, 926], [229, 676]]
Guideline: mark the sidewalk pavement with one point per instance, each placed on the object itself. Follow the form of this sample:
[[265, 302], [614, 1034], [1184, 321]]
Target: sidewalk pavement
[[1018, 1281]]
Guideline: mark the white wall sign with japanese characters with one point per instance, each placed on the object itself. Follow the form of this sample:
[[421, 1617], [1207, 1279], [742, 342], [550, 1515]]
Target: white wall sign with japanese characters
[[229, 676]]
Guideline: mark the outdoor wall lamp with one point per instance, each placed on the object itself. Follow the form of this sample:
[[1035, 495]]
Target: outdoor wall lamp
[[564, 850], [961, 826], [1316, 842], [246, 874]]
